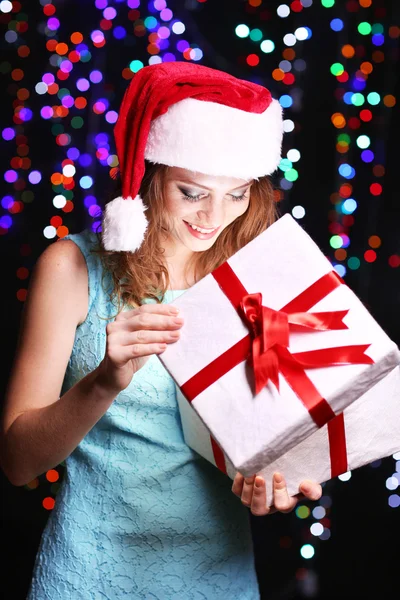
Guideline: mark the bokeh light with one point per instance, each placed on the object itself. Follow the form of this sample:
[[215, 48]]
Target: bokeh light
[[73, 101]]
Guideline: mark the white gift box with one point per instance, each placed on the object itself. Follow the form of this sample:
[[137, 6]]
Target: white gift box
[[366, 431], [285, 266]]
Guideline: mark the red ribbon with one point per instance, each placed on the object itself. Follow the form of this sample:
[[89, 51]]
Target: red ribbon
[[337, 446], [270, 330], [267, 349]]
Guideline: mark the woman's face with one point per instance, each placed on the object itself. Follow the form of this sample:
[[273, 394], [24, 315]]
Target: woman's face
[[201, 206]]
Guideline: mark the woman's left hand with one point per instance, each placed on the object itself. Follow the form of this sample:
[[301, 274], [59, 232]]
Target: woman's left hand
[[252, 491]]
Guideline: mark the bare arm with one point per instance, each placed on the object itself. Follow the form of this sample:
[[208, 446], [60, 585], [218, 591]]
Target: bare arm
[[38, 430]]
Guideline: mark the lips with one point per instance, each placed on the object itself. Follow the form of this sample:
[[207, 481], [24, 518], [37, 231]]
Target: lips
[[201, 235]]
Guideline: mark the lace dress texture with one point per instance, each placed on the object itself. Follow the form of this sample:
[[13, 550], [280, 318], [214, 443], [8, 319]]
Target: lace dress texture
[[139, 514]]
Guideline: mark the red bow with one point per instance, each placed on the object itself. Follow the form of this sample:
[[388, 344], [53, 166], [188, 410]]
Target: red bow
[[270, 335]]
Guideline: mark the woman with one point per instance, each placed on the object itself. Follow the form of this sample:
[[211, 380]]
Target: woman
[[139, 514]]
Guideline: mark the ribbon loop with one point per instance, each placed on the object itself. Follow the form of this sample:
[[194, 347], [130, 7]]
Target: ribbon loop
[[251, 307], [269, 330], [271, 325]]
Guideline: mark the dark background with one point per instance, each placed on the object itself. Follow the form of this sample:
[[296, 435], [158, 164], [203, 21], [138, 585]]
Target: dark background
[[355, 559]]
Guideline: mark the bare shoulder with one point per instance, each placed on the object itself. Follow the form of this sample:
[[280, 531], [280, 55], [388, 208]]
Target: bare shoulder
[[56, 303], [61, 269]]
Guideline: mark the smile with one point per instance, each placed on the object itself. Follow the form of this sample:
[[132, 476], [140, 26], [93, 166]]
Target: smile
[[202, 229], [202, 233]]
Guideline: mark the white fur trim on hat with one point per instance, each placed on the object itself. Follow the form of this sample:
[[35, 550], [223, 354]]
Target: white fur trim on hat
[[216, 139], [124, 224]]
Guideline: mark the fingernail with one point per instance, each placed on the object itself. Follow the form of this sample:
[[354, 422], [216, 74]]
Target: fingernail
[[258, 482], [278, 478], [178, 320], [305, 488], [173, 310]]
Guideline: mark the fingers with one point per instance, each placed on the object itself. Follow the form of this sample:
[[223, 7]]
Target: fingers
[[123, 345], [259, 500], [158, 309], [119, 355], [146, 327], [142, 332], [282, 501], [160, 322], [243, 488], [311, 489], [150, 321], [237, 485], [143, 336], [247, 490], [252, 492]]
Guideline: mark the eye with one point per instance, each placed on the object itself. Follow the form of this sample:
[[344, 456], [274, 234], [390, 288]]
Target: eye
[[239, 198], [191, 198], [186, 195]]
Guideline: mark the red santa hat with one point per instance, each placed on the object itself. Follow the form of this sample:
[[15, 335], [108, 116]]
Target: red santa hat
[[190, 116]]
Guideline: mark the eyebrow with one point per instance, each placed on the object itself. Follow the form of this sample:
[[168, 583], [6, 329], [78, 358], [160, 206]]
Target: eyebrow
[[203, 187]]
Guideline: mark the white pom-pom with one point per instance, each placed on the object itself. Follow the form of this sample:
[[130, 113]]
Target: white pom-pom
[[124, 224]]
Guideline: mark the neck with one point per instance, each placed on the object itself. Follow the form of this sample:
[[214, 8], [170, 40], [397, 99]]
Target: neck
[[176, 260]]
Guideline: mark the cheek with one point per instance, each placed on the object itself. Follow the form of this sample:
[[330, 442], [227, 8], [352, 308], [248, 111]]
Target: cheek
[[174, 207], [237, 209]]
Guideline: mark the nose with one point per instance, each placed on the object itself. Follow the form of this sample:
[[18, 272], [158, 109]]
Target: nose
[[211, 213]]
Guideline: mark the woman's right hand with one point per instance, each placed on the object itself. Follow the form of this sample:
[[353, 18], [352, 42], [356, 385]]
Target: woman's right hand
[[134, 336]]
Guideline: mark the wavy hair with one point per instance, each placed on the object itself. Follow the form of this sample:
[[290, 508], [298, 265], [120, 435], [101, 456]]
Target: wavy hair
[[143, 274]]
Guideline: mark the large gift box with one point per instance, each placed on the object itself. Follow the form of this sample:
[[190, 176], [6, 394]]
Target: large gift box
[[274, 345], [366, 431]]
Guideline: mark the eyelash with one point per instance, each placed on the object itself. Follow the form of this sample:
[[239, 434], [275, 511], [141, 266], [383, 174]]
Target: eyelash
[[190, 198]]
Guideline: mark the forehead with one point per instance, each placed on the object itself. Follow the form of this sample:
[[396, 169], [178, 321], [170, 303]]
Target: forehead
[[207, 181]]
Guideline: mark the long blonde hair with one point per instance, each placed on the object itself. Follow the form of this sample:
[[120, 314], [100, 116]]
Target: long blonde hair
[[143, 274]]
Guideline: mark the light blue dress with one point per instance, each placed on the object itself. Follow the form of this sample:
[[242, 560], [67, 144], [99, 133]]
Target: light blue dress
[[139, 515]]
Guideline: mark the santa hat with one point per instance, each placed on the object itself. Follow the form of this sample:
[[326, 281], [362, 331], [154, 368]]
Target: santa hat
[[190, 116]]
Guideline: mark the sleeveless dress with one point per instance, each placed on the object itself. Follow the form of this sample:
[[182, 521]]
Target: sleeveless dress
[[139, 515]]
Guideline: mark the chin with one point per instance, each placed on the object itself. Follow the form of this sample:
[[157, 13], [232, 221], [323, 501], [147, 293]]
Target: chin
[[200, 245]]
